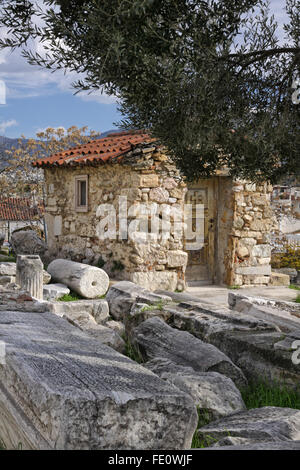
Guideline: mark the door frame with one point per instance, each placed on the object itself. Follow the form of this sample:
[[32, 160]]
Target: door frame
[[211, 184]]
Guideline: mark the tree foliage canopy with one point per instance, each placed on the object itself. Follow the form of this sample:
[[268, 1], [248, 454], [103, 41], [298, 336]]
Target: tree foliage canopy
[[209, 78]]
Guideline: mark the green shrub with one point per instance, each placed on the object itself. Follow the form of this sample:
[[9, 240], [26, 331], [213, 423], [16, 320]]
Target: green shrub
[[289, 258], [70, 297]]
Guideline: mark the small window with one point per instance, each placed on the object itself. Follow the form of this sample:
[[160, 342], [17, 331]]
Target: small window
[[81, 193]]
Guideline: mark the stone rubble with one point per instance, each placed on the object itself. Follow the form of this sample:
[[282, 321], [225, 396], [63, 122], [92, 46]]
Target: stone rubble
[[26, 242], [88, 281], [122, 295], [257, 425], [201, 352], [213, 393], [155, 339], [55, 291], [63, 389]]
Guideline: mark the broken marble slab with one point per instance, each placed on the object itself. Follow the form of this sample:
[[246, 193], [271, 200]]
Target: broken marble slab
[[62, 389]]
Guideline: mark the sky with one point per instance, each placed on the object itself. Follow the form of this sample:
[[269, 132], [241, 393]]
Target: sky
[[36, 99]]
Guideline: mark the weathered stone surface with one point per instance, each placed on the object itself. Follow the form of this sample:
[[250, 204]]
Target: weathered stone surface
[[46, 277], [259, 358], [262, 251], [211, 391], [286, 315], [177, 258], [55, 291], [156, 339], [149, 181], [279, 279], [107, 336], [141, 312], [86, 322], [159, 195], [248, 444], [291, 272], [254, 270], [27, 243], [206, 321], [122, 295], [117, 326], [2, 238], [8, 269], [96, 309], [30, 275], [7, 279], [252, 339], [268, 423], [62, 389], [88, 281], [152, 280]]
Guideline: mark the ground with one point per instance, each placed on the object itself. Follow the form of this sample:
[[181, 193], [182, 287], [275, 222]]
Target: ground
[[219, 295]]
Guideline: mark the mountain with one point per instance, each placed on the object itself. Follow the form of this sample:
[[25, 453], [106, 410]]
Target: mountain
[[5, 144]]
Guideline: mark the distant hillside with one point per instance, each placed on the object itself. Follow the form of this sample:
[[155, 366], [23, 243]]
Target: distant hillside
[[5, 144]]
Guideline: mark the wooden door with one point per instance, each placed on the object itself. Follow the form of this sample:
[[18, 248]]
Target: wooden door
[[200, 265]]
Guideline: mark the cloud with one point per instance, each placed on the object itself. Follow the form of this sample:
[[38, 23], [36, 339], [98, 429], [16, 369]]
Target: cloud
[[6, 124], [27, 81], [277, 8]]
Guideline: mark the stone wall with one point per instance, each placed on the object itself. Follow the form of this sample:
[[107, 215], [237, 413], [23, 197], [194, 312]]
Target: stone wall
[[145, 176], [252, 223]]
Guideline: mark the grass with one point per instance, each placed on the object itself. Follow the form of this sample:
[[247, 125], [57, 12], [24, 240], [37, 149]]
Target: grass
[[70, 297], [156, 306], [132, 351], [298, 299], [73, 296], [255, 395], [293, 286], [8, 258], [234, 287], [204, 418]]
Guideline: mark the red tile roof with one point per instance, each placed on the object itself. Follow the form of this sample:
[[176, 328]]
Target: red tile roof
[[97, 151], [15, 209]]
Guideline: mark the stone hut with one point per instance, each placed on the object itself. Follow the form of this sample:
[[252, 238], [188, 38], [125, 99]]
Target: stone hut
[[108, 202]]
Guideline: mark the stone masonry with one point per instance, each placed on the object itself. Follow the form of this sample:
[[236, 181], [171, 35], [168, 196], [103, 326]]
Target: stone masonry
[[145, 174], [252, 223]]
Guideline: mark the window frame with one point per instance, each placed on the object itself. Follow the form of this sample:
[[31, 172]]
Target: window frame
[[78, 180]]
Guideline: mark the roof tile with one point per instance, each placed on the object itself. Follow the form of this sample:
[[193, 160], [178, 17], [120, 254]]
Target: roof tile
[[15, 209], [97, 151]]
